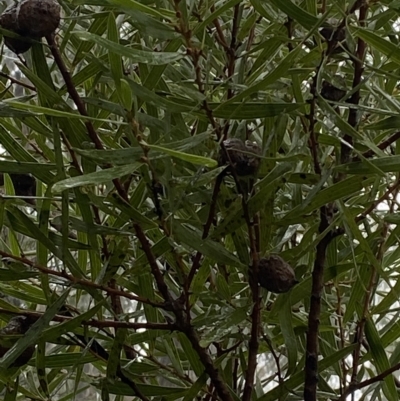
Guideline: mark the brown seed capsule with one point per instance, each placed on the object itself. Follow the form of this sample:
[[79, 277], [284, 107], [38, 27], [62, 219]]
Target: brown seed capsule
[[331, 92], [275, 275], [38, 17], [243, 157], [16, 326], [8, 20], [24, 185], [329, 33], [339, 36]]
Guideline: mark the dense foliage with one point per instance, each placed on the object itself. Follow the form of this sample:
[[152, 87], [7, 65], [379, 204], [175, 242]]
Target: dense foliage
[[135, 251]]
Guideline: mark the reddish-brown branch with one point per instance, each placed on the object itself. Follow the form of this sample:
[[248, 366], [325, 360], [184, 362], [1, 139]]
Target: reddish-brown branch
[[358, 63], [220, 34], [276, 358], [382, 145], [358, 386], [215, 377], [255, 292], [231, 50], [99, 352], [207, 226], [79, 103], [97, 323], [384, 197], [77, 281], [72, 90], [359, 334], [162, 287], [15, 81], [312, 346], [182, 323], [254, 335]]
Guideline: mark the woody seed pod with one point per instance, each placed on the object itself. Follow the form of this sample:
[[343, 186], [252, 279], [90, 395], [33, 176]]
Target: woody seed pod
[[39, 17], [328, 33], [9, 335], [9, 21], [275, 275], [339, 36], [331, 92], [243, 157]]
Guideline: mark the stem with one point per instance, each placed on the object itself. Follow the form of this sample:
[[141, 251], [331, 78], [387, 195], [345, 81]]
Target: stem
[[312, 346], [72, 90]]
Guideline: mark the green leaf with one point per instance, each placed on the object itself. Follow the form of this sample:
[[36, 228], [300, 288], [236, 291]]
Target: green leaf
[[201, 160], [380, 358], [387, 123], [296, 13], [251, 111], [385, 164], [286, 324], [136, 56], [334, 192], [57, 330], [389, 49], [272, 77], [191, 236], [296, 379], [33, 333], [98, 177]]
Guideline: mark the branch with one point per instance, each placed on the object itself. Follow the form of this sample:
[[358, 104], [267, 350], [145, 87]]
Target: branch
[[254, 287], [255, 314], [206, 229], [215, 377], [382, 145], [72, 90], [83, 282], [358, 62], [182, 322], [99, 352], [365, 383], [80, 106], [312, 346], [15, 81], [95, 322], [359, 335], [175, 306], [374, 205], [276, 358]]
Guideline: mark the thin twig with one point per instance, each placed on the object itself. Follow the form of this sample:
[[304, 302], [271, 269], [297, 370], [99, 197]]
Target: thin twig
[[77, 281], [206, 228], [359, 335], [381, 199], [383, 145], [276, 358], [365, 383], [15, 81], [72, 90], [95, 322]]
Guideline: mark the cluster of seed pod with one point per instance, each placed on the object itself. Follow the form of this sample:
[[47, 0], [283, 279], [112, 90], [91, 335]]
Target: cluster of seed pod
[[243, 157], [275, 274], [31, 19]]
